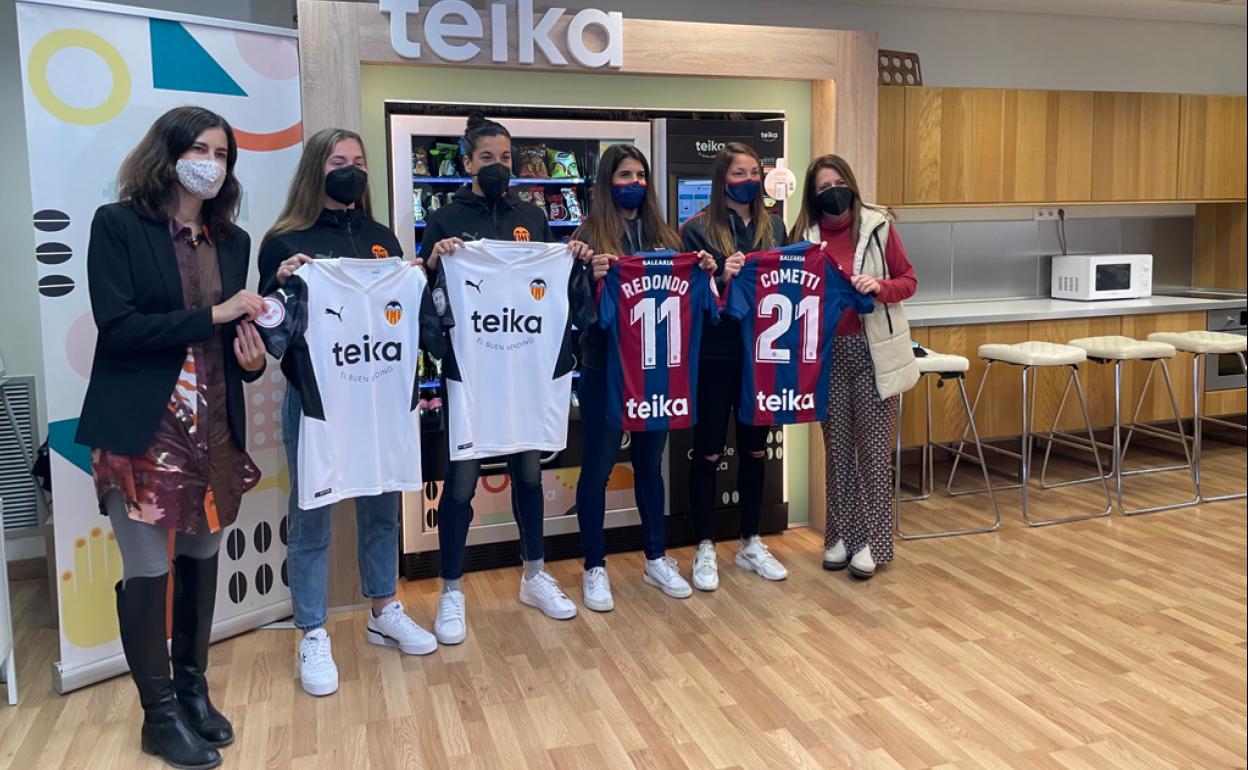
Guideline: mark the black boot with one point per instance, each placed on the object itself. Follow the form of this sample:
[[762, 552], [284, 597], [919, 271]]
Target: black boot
[[141, 612], [194, 598]]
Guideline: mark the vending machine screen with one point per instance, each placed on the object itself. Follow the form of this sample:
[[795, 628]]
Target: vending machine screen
[[692, 195]]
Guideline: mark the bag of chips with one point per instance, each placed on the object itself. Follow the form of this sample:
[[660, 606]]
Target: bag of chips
[[420, 162], [532, 161], [444, 155], [562, 164], [537, 196], [573, 203], [558, 207]]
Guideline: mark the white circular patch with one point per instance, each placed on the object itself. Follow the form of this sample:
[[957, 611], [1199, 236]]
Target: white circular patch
[[273, 314]]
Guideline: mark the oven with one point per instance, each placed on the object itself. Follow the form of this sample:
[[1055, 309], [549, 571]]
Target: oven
[[1225, 372]]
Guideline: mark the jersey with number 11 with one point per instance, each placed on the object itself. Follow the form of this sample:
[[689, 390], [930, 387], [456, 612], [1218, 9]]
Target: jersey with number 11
[[652, 306], [789, 302]]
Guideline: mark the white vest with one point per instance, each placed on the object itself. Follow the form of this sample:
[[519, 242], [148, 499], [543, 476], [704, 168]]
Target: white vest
[[886, 328]]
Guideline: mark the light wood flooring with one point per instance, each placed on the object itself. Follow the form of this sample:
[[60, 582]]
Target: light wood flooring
[[1114, 643]]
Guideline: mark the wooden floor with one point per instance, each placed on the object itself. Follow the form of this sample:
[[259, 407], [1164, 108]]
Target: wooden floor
[[1116, 643]]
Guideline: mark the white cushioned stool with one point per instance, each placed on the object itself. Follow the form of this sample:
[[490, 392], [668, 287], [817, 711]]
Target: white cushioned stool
[[1032, 356], [939, 367], [1120, 350], [1202, 344]]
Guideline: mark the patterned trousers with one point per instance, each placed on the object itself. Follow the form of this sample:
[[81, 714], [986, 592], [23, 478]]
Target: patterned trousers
[[857, 442]]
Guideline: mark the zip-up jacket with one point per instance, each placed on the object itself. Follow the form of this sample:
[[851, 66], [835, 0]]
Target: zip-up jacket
[[470, 217]]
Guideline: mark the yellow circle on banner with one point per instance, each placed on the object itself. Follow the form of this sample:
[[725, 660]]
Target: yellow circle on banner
[[53, 43]]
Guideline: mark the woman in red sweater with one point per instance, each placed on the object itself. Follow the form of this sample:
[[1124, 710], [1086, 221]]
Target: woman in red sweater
[[862, 410]]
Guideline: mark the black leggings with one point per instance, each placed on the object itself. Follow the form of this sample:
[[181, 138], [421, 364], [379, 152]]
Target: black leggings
[[719, 388]]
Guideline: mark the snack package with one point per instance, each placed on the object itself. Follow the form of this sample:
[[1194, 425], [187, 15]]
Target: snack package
[[443, 155], [418, 208], [420, 162], [558, 207], [537, 196], [562, 164], [435, 202], [573, 203], [532, 163]]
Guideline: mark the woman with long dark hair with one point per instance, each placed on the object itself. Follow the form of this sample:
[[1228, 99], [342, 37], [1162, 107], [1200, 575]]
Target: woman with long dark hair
[[164, 412], [872, 365], [327, 214], [733, 224], [626, 219]]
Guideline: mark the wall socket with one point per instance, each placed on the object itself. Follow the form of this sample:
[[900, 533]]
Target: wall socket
[[1044, 215]]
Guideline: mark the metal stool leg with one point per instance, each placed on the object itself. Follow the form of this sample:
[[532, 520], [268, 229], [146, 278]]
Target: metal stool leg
[[1198, 384], [1092, 445]]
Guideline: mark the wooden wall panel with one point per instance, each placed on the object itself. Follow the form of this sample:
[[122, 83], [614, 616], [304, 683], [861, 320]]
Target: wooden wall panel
[[953, 145], [999, 413], [1135, 140], [891, 152], [1220, 260], [1157, 407], [1213, 147], [1047, 150], [329, 64]]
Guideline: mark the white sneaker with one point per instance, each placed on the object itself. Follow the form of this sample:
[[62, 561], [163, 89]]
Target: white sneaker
[[705, 568], [755, 556], [862, 565], [393, 628], [663, 574], [597, 590], [542, 591], [450, 627], [317, 671], [836, 558]]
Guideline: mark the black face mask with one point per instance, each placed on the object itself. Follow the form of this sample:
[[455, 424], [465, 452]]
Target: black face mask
[[494, 180], [836, 200], [346, 185]]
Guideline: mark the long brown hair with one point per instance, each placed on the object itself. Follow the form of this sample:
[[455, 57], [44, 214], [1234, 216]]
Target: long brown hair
[[306, 198], [718, 226], [605, 226], [148, 177], [810, 212]]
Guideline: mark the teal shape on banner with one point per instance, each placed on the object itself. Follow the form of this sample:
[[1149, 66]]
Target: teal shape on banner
[[61, 440], [180, 63]]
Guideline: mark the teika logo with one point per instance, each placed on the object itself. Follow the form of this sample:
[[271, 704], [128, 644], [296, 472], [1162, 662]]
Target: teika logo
[[708, 148], [768, 136], [509, 321], [366, 352], [658, 407], [452, 26], [787, 400]]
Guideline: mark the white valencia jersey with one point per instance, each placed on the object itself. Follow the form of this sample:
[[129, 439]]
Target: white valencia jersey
[[353, 326], [509, 371]]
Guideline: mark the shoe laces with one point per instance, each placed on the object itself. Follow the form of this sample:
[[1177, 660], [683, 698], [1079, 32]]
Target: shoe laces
[[315, 649], [451, 607], [755, 548], [705, 559], [665, 568], [394, 613], [596, 580], [546, 586]]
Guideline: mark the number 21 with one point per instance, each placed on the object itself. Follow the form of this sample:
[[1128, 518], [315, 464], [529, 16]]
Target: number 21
[[651, 313], [780, 307]]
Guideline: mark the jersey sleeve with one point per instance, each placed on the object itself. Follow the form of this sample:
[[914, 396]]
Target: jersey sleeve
[[849, 296], [608, 296], [736, 304], [284, 319], [436, 317], [580, 297], [709, 294]]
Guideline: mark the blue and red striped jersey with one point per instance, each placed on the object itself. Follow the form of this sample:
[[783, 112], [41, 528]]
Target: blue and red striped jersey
[[789, 302], [652, 306]]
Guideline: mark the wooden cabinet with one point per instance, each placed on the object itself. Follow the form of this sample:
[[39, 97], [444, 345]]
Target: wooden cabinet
[[891, 147], [1221, 243], [1047, 146], [1135, 143], [953, 145], [1213, 163]]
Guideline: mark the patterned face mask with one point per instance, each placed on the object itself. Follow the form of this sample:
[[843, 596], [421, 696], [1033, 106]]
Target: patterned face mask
[[201, 177]]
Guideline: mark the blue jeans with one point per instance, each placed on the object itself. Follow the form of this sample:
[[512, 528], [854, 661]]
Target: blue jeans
[[307, 542], [455, 508], [599, 445]]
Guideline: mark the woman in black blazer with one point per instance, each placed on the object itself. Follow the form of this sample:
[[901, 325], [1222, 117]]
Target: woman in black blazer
[[164, 413]]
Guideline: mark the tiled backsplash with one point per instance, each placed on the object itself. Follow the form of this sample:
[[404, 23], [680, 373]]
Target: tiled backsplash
[[978, 260]]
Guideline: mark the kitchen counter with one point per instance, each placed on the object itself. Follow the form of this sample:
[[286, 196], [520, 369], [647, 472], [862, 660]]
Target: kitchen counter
[[983, 311]]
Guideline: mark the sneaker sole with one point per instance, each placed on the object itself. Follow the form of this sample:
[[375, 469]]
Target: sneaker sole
[[381, 640], [600, 606], [450, 640], [745, 564], [672, 593], [319, 690], [553, 616]]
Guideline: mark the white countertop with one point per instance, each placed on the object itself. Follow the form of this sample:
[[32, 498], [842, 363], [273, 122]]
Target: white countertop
[[981, 311]]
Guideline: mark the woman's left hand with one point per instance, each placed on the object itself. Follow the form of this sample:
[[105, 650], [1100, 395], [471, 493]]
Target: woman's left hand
[[581, 250], [707, 262], [248, 347], [865, 284]]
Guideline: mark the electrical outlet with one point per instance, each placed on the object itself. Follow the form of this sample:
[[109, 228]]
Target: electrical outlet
[[1044, 215]]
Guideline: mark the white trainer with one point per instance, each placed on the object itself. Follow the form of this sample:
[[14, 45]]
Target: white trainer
[[836, 558], [450, 627], [393, 628], [756, 557], [597, 590], [317, 671], [542, 591], [663, 574], [862, 566], [705, 567]]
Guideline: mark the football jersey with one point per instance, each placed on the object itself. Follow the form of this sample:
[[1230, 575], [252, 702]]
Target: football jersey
[[789, 302], [652, 306], [353, 328], [508, 309]]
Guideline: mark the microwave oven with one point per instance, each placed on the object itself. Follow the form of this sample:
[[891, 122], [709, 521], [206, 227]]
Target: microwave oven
[[1102, 276]]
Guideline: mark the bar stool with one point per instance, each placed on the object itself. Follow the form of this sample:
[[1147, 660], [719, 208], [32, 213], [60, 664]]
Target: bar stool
[[1032, 356], [1119, 350], [1202, 344], [940, 367]]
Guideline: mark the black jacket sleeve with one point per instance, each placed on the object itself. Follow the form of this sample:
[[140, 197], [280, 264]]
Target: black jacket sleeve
[[581, 306], [110, 280], [285, 319], [272, 254], [436, 317], [778, 232]]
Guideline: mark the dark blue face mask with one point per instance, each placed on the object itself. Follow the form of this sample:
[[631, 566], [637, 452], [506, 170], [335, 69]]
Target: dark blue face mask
[[628, 196], [742, 192]]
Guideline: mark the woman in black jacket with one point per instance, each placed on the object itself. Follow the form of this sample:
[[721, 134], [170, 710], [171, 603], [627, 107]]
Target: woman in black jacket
[[164, 413], [327, 214], [733, 224]]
